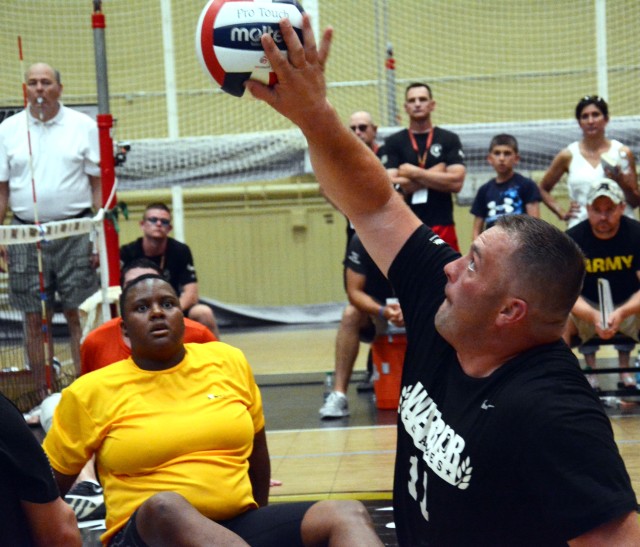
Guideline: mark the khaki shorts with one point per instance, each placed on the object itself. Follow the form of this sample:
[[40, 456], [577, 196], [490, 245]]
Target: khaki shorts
[[66, 270], [587, 330]]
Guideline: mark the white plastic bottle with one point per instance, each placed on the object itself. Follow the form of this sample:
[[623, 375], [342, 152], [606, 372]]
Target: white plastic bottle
[[391, 328], [624, 163], [328, 384]]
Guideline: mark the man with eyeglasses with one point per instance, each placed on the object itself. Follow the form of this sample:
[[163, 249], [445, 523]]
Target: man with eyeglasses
[[174, 259], [427, 164], [361, 123], [611, 244]]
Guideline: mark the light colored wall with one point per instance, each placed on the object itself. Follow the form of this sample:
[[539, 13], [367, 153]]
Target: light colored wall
[[257, 245]]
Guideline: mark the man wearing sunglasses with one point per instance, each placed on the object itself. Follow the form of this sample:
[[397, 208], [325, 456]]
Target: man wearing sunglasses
[[355, 324], [361, 123], [173, 258]]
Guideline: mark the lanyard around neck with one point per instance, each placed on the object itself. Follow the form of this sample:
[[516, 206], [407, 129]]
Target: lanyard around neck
[[422, 158]]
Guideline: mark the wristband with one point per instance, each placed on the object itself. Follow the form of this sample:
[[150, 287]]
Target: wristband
[[381, 312]]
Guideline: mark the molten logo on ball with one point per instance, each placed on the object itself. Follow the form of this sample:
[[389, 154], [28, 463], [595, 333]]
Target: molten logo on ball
[[228, 39], [249, 35]]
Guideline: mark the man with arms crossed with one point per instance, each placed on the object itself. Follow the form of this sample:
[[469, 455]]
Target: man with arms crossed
[[496, 422], [427, 163]]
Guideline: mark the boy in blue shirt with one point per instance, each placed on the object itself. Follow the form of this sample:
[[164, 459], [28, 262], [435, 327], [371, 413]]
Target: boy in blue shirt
[[509, 193]]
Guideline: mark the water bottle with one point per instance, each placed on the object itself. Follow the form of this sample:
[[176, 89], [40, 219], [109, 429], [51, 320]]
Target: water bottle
[[624, 163], [328, 384], [391, 328]]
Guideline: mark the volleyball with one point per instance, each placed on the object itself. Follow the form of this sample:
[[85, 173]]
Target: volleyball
[[228, 39]]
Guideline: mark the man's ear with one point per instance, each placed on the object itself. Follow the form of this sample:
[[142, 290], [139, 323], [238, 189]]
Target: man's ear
[[513, 311], [123, 328]]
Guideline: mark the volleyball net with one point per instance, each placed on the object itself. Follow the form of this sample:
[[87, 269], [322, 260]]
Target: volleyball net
[[37, 353]]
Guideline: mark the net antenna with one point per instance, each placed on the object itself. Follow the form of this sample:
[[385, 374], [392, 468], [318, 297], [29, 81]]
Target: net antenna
[[109, 247], [390, 73], [36, 220]]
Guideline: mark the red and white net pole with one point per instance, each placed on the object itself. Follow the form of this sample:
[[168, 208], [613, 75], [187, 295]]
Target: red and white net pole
[[110, 249], [390, 65], [48, 357]]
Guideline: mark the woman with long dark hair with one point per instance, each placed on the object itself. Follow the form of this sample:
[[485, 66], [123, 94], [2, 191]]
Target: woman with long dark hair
[[582, 161]]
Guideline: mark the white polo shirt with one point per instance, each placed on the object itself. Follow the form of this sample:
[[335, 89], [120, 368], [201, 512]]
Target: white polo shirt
[[65, 151]]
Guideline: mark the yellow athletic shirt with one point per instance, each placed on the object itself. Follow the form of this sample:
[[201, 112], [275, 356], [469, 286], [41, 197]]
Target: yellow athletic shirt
[[188, 429]]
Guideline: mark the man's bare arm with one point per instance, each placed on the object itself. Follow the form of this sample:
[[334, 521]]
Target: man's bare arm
[[622, 532], [96, 192], [189, 295], [4, 200], [52, 524]]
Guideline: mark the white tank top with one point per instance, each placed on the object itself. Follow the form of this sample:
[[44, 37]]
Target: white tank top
[[582, 174]]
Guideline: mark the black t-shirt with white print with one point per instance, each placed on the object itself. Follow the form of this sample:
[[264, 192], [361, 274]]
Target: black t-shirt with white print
[[525, 456]]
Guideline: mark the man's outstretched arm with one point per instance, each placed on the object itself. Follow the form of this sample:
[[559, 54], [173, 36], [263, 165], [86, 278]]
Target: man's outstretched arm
[[349, 173]]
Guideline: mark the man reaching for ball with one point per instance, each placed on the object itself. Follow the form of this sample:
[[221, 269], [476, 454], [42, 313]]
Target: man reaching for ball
[[501, 441]]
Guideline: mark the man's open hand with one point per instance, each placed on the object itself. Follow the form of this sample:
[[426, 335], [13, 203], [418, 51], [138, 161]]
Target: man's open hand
[[300, 93]]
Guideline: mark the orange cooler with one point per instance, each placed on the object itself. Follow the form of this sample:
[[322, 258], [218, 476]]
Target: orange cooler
[[388, 355]]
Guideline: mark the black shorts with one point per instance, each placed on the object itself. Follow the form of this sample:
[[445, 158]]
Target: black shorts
[[272, 526]]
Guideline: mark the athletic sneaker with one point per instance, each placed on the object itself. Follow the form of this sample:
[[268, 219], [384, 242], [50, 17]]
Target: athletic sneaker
[[87, 501], [627, 381], [336, 406]]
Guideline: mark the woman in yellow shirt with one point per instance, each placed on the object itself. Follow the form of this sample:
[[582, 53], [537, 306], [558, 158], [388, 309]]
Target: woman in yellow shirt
[[180, 445]]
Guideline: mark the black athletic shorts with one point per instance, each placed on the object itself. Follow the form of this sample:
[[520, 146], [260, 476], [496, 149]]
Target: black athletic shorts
[[272, 526]]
